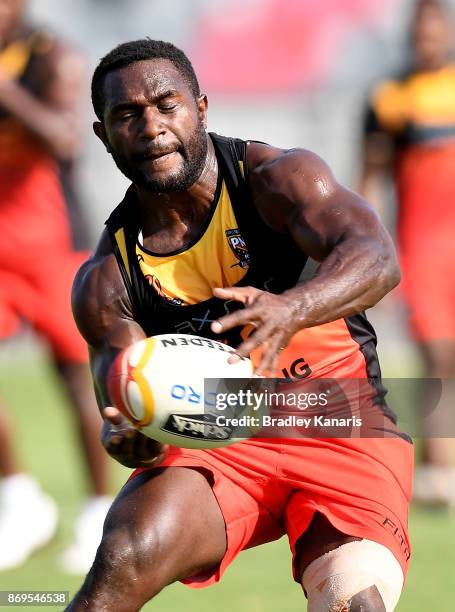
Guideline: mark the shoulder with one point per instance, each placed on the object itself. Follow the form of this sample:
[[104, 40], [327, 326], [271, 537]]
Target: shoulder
[[99, 296], [273, 165], [282, 180], [283, 171]]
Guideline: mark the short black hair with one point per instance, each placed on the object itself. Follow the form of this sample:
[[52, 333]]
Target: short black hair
[[135, 51]]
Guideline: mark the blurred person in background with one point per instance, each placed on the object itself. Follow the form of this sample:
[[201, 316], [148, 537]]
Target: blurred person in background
[[40, 134], [410, 129]]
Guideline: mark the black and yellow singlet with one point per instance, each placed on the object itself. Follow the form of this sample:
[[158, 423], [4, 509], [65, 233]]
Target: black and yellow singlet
[[173, 292], [418, 112], [417, 108]]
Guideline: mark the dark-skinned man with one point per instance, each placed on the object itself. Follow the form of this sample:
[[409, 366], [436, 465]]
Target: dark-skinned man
[[40, 134], [165, 264]]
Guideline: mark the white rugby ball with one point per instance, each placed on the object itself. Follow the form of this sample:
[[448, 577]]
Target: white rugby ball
[[158, 384]]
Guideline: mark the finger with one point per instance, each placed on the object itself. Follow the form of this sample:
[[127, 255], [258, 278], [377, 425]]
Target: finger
[[147, 449], [155, 459], [235, 319], [121, 445], [113, 442], [142, 451], [114, 416], [119, 424], [270, 356], [260, 336], [241, 294], [275, 367]]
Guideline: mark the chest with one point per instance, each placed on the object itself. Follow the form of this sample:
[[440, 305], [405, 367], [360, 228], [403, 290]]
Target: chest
[[217, 257]]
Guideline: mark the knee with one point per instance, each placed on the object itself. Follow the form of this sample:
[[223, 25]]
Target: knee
[[360, 576], [332, 595], [127, 556], [125, 574], [117, 559], [368, 600]]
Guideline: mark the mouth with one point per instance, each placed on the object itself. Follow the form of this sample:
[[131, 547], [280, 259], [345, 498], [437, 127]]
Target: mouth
[[155, 156]]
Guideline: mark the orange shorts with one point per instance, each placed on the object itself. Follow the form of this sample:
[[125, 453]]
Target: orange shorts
[[39, 292], [266, 488]]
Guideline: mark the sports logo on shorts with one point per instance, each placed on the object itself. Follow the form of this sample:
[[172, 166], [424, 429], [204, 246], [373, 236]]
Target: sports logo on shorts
[[239, 248]]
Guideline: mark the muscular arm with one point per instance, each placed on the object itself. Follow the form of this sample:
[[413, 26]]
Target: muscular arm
[[55, 116], [103, 314], [296, 192]]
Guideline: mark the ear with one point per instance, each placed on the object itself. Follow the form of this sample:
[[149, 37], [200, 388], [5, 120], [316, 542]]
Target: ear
[[202, 106], [100, 131]]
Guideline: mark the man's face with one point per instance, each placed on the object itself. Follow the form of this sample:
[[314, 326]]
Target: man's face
[[11, 13], [432, 38], [153, 126]]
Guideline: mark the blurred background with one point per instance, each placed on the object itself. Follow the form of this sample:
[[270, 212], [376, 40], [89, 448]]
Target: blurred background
[[294, 73]]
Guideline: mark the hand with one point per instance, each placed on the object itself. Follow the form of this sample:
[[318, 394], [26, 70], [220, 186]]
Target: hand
[[126, 444], [273, 316]]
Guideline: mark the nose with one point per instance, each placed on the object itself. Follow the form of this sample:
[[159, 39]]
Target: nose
[[151, 125]]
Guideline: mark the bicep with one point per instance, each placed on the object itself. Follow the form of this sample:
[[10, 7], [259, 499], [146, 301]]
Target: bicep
[[317, 211], [322, 223]]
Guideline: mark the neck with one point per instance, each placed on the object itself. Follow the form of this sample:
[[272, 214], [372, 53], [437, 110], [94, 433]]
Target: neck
[[433, 64], [179, 214]]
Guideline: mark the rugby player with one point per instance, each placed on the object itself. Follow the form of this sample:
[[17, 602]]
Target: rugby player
[[167, 263], [40, 84], [410, 131]]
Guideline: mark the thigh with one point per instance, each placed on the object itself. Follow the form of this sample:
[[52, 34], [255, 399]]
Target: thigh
[[171, 510], [164, 525], [320, 538], [251, 509], [362, 487]]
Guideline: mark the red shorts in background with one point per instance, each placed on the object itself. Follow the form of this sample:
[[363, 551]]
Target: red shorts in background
[[40, 294], [426, 193], [266, 488], [37, 263]]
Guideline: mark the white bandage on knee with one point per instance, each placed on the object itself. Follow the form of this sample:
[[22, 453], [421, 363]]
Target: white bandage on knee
[[334, 578]]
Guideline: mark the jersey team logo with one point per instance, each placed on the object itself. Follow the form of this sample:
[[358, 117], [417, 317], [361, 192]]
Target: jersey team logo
[[239, 248], [154, 282]]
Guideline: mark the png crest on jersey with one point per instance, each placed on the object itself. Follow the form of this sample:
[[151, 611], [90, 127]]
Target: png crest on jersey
[[239, 248]]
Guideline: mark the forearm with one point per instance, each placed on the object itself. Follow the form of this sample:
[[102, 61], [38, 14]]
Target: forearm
[[355, 276], [58, 129], [100, 364]]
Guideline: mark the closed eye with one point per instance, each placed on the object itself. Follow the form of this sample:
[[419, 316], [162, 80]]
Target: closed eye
[[167, 108], [127, 113]]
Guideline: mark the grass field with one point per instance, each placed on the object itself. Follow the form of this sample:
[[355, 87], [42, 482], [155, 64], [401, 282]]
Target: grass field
[[259, 581]]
